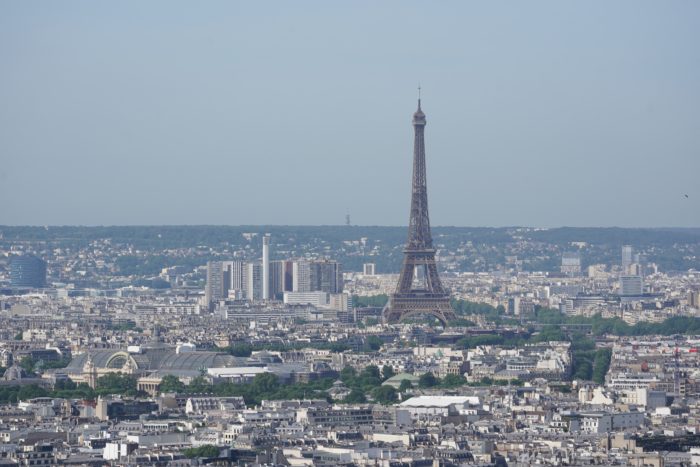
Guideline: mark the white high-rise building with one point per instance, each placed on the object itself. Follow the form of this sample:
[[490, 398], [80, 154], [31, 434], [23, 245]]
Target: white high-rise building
[[233, 275], [627, 257], [253, 281], [266, 268], [369, 269], [301, 276]]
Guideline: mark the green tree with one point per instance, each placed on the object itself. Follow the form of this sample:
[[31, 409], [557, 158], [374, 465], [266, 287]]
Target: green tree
[[583, 369], [355, 397], [265, 383], [28, 364], [384, 394], [199, 385], [348, 375], [369, 378], [60, 363], [460, 322], [371, 300], [64, 385], [116, 383], [171, 383], [373, 343], [453, 381], [387, 372], [241, 350], [428, 380], [601, 363], [549, 333], [405, 385], [470, 342], [370, 371], [207, 450]]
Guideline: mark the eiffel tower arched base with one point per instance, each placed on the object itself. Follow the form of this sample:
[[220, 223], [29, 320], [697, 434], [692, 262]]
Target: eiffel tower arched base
[[404, 306]]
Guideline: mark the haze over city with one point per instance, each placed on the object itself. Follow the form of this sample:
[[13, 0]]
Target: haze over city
[[357, 233], [539, 113]]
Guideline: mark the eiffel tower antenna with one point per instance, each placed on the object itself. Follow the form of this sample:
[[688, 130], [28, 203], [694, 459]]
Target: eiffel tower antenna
[[428, 296]]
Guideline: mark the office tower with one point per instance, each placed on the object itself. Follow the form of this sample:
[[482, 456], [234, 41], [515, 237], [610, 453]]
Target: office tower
[[514, 305], [301, 276], [253, 281], [430, 297], [694, 299], [627, 257], [631, 286], [214, 290], [368, 269], [222, 278], [226, 278], [27, 271], [326, 276], [233, 272], [288, 276], [278, 271], [571, 263], [266, 268]]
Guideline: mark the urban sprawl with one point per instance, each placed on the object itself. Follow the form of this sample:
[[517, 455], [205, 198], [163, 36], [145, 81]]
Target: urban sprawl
[[345, 345]]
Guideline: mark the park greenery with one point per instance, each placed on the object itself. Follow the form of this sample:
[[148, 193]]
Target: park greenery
[[113, 383], [124, 326], [546, 316], [31, 365], [206, 450], [367, 382], [264, 386], [617, 327], [362, 301]]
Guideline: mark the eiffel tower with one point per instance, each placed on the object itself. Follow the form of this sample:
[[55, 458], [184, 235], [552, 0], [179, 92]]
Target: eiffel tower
[[419, 290]]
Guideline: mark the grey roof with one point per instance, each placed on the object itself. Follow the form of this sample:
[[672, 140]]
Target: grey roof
[[99, 359], [196, 360], [156, 359]]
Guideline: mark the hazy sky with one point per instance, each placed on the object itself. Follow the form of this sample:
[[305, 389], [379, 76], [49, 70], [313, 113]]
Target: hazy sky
[[164, 112]]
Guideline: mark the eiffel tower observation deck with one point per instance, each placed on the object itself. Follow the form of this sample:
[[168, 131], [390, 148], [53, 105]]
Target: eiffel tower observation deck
[[419, 290]]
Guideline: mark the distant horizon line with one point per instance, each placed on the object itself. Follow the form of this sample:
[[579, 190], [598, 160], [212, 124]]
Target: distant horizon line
[[92, 226]]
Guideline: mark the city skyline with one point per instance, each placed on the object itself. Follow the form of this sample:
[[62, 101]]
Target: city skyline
[[174, 115], [204, 257]]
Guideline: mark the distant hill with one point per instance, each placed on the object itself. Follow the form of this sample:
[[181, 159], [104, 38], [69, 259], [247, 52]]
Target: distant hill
[[465, 248]]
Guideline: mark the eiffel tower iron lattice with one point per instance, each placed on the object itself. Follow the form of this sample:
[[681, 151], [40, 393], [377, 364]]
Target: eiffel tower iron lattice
[[419, 290]]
